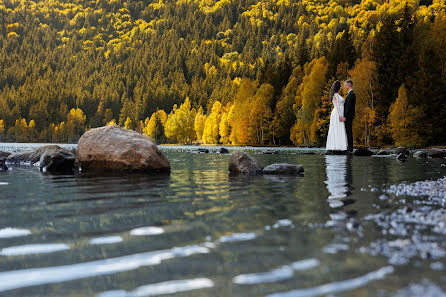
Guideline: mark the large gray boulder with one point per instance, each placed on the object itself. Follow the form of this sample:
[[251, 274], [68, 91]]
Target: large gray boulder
[[284, 169], [241, 163], [436, 153], [32, 156], [60, 161], [116, 149]]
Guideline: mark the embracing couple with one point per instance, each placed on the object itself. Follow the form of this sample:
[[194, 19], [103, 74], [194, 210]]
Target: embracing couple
[[340, 133]]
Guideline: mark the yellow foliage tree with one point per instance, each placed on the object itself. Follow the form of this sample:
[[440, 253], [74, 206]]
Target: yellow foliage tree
[[308, 98], [180, 123], [200, 120], [211, 132], [75, 123], [112, 122], [239, 114], [225, 126], [365, 77], [261, 114], [404, 119], [2, 127], [128, 124], [155, 126]]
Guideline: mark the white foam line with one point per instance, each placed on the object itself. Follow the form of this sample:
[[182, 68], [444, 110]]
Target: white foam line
[[282, 273], [168, 287], [30, 249], [106, 240], [13, 232], [336, 287], [147, 231], [15, 279]]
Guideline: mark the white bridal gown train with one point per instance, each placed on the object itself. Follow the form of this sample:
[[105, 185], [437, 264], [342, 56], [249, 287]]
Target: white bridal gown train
[[337, 137]]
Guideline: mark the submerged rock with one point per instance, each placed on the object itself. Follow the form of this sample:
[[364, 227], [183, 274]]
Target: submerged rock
[[270, 152], [3, 167], [420, 154], [4, 155], [222, 150], [401, 150], [363, 152], [203, 151], [382, 153], [241, 162], [60, 161], [436, 153], [284, 169], [32, 156], [402, 157], [112, 148]]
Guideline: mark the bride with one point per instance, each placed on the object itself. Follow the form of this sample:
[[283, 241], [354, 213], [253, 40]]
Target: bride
[[337, 136]]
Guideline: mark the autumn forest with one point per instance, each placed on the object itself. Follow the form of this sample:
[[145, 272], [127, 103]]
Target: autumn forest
[[242, 72]]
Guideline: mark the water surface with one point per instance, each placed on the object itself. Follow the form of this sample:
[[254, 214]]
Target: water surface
[[200, 232]]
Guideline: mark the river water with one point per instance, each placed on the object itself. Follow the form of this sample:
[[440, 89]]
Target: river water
[[200, 232]]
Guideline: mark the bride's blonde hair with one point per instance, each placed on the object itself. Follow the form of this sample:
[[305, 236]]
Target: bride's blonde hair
[[335, 87]]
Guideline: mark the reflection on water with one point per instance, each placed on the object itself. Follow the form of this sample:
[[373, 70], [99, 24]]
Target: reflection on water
[[339, 178], [200, 232]]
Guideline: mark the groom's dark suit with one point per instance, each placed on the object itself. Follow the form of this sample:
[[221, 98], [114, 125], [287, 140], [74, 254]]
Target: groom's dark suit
[[349, 114]]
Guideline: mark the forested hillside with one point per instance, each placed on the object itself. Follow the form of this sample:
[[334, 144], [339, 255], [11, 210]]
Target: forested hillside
[[228, 71]]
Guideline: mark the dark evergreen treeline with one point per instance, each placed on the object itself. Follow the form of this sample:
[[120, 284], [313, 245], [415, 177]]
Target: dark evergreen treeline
[[66, 66]]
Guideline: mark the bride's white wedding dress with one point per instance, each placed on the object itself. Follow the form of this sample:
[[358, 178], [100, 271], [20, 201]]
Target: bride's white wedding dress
[[337, 137]]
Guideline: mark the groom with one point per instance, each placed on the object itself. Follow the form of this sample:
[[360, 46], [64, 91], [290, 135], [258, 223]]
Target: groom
[[349, 113]]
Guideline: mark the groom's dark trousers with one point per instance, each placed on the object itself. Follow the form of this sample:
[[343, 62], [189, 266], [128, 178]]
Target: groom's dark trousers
[[349, 114]]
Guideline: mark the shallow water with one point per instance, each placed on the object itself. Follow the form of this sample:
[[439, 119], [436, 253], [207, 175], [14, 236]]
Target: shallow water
[[200, 232]]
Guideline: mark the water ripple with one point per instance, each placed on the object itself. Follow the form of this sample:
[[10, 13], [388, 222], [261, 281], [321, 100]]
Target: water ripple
[[38, 276], [13, 232], [30, 249], [168, 287], [340, 286]]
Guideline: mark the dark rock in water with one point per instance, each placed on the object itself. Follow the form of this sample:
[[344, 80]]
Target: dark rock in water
[[436, 153], [283, 169], [244, 164], [61, 161], [382, 153], [4, 155], [402, 157], [420, 154], [3, 167], [270, 152], [30, 157], [401, 150], [203, 151], [73, 150], [363, 152], [222, 150], [113, 148]]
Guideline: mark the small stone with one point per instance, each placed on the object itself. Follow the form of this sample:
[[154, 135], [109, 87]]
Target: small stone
[[382, 153], [363, 152], [242, 163], [203, 151], [420, 154], [270, 152], [402, 157], [61, 161], [436, 153], [401, 150], [222, 150]]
